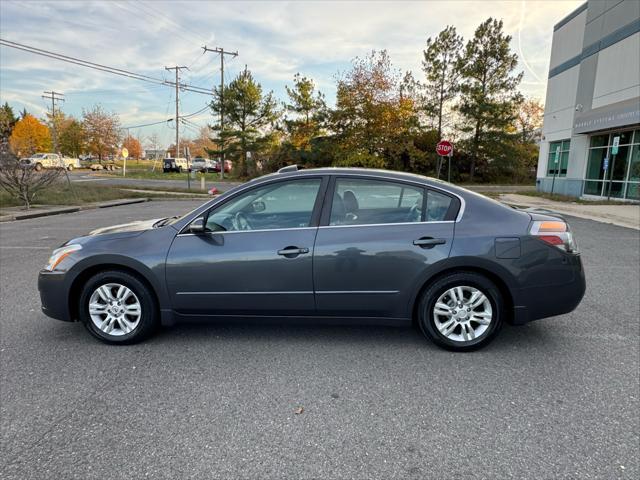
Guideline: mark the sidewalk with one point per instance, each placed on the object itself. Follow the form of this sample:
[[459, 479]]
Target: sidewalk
[[621, 215]]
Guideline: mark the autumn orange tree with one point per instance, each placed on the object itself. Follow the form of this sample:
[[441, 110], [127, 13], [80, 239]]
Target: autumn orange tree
[[30, 136], [372, 113], [132, 144]]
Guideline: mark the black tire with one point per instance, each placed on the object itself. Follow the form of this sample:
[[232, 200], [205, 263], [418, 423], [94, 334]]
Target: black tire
[[70, 168], [149, 319], [38, 167], [428, 300]]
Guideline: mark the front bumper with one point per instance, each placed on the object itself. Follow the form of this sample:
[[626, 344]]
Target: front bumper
[[545, 301], [54, 295]]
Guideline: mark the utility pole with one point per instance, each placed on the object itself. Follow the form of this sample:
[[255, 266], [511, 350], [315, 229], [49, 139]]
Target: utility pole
[[54, 97], [177, 69], [57, 97], [222, 54]]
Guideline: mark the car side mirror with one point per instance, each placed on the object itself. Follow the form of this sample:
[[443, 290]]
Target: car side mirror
[[197, 226], [258, 206]]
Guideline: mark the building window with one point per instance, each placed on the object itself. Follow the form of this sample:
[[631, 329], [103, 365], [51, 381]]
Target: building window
[[558, 158], [621, 177]]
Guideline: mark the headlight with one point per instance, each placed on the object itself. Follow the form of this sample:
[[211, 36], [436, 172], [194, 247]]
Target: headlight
[[60, 254]]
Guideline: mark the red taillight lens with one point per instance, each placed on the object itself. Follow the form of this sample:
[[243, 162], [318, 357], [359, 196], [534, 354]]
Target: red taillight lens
[[551, 239], [556, 233]]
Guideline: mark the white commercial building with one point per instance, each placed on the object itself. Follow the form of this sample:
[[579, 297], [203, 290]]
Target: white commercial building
[[593, 104]]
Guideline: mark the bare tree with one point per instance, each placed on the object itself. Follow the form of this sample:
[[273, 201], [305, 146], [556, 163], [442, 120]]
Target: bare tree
[[23, 182]]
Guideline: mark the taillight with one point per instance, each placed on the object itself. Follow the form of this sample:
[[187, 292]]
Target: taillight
[[556, 233]]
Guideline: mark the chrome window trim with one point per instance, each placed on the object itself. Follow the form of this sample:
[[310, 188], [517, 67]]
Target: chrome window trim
[[387, 224], [222, 232], [275, 178], [414, 182]]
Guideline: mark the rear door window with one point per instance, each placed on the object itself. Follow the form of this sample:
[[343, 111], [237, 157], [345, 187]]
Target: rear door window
[[366, 202]]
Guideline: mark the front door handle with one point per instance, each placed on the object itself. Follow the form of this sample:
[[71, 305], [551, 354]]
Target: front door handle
[[291, 252], [429, 242]]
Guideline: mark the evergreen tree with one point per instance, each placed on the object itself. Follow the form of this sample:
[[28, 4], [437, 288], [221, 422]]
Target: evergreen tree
[[488, 93], [247, 113], [309, 110], [441, 66], [7, 122]]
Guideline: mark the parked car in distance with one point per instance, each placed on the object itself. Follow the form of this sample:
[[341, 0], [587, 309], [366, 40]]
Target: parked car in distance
[[228, 165], [339, 245], [51, 160], [175, 165], [200, 164]]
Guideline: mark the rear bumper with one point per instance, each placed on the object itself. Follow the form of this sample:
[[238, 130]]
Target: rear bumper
[[54, 295], [539, 302]]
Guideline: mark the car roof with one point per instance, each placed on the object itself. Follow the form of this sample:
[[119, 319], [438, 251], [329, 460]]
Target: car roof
[[291, 171]]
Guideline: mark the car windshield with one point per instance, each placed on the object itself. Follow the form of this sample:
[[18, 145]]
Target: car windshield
[[39, 155]]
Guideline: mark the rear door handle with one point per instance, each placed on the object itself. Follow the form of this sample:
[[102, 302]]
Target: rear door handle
[[291, 252], [428, 242]]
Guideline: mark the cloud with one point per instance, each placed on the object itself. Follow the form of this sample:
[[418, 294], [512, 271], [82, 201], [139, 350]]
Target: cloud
[[274, 39]]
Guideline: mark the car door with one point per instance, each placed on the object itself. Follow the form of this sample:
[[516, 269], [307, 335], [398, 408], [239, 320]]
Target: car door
[[255, 257], [376, 241]]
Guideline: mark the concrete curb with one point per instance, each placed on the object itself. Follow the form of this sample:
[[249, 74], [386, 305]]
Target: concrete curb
[[61, 210]]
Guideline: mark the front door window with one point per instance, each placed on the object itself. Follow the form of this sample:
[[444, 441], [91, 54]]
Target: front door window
[[276, 206]]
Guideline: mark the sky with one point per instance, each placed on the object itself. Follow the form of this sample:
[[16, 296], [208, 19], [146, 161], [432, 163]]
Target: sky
[[274, 40]]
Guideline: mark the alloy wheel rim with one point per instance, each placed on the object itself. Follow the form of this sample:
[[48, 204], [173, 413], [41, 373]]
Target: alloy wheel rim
[[462, 314], [115, 309]]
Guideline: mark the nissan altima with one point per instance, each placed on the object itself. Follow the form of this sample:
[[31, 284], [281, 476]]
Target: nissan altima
[[334, 245]]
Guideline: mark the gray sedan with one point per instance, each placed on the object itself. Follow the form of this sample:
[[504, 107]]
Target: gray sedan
[[330, 245]]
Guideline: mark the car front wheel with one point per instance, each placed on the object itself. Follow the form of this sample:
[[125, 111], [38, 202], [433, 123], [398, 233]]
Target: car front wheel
[[118, 308], [461, 311]]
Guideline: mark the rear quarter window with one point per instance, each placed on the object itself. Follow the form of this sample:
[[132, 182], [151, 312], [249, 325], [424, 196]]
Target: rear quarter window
[[441, 207]]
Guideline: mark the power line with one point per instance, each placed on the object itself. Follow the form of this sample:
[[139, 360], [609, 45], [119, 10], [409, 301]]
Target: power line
[[196, 113], [100, 67], [178, 29], [148, 124]]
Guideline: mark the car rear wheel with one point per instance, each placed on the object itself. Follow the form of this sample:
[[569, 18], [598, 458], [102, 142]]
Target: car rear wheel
[[38, 167], [118, 308], [70, 167], [461, 311]]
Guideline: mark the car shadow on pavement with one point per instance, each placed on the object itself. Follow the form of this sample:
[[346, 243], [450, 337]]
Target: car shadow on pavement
[[534, 336], [526, 336]]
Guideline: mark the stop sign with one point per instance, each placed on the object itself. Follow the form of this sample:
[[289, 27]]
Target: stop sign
[[444, 148]]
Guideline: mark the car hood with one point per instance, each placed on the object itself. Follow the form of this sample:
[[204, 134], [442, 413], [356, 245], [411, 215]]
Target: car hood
[[139, 226]]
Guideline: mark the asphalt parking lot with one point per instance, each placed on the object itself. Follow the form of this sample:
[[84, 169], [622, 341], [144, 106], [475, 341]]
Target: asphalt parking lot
[[557, 398]]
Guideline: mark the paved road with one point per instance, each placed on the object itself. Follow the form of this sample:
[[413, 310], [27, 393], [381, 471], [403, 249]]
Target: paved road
[[555, 399], [86, 176]]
